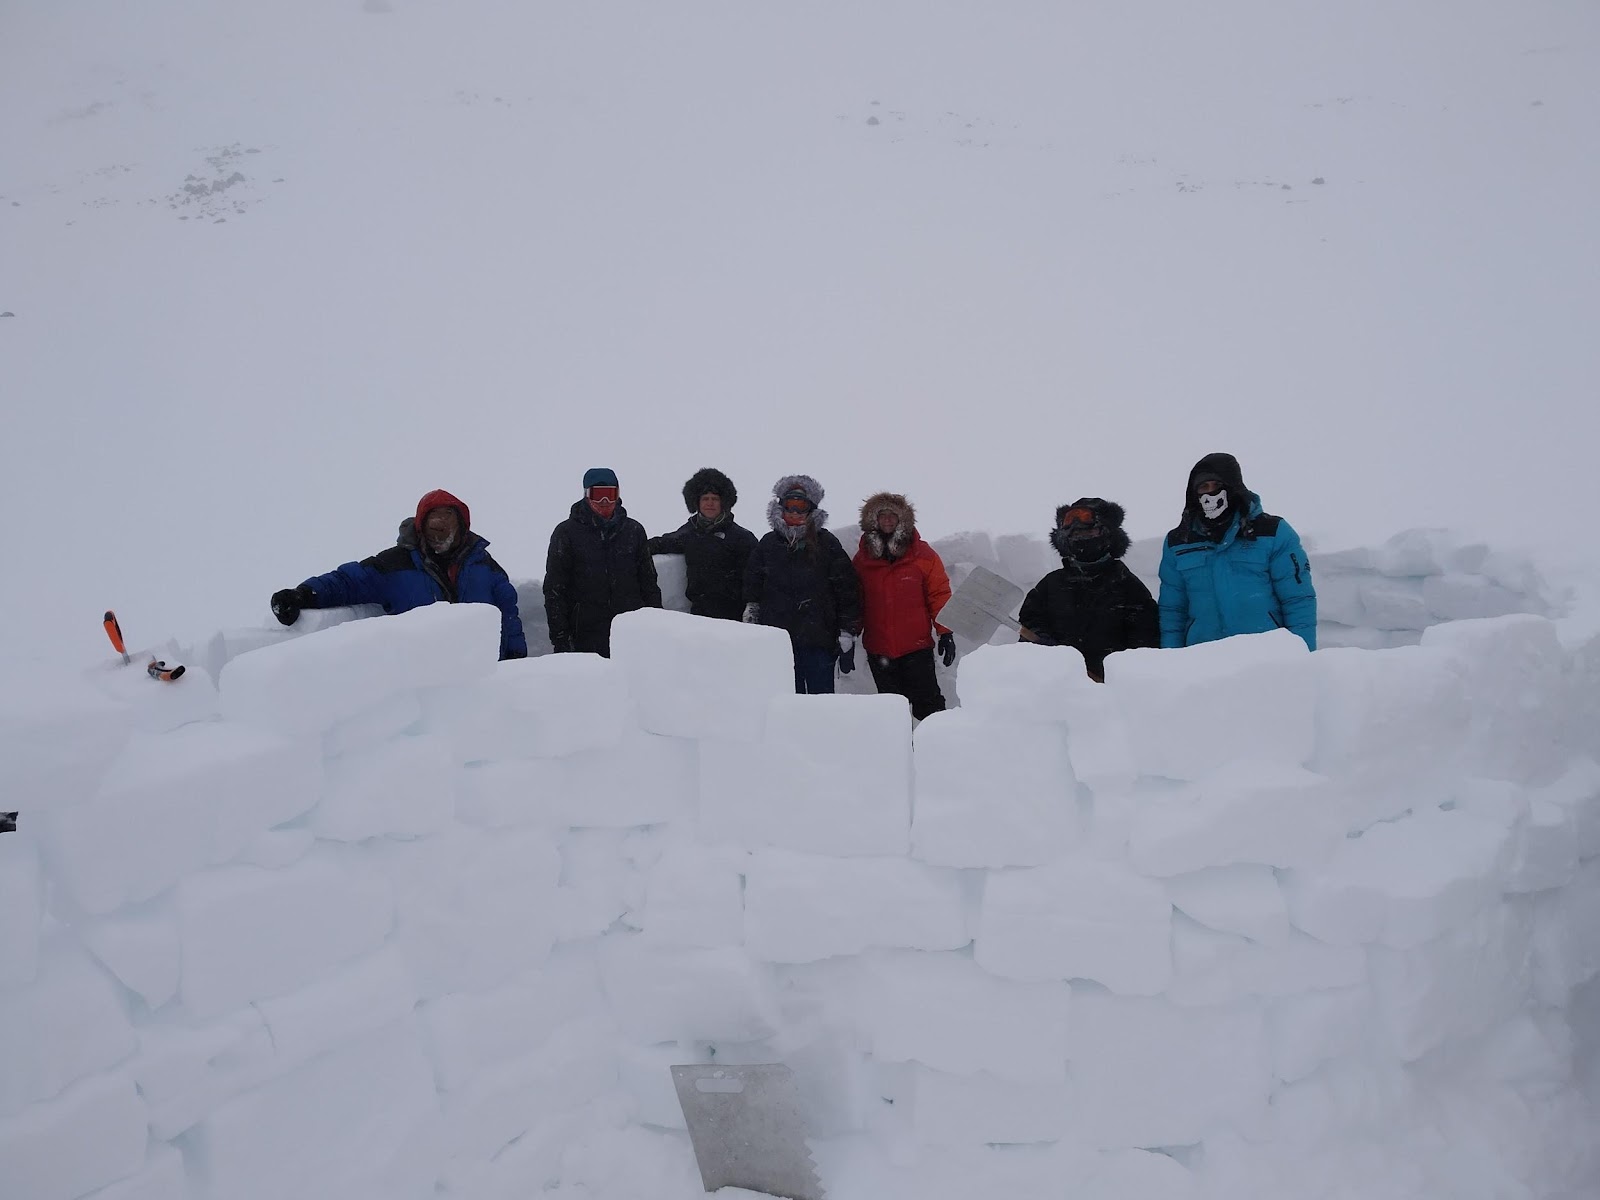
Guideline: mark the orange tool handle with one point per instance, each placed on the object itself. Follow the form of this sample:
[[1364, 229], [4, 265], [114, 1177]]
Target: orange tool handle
[[114, 632]]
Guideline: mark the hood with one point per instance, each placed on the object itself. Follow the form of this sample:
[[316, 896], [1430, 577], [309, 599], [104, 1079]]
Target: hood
[[790, 483], [905, 533], [1111, 516], [1225, 469], [439, 498], [407, 539], [709, 479]]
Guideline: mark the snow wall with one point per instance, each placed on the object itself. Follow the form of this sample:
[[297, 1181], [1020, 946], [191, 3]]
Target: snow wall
[[380, 918]]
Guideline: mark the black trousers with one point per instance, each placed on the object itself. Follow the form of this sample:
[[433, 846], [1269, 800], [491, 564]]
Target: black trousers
[[910, 675]]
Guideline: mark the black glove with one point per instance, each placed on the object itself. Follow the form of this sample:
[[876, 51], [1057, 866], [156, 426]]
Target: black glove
[[947, 648], [847, 654], [562, 645], [286, 605]]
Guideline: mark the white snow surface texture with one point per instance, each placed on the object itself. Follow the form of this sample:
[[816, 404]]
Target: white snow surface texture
[[374, 917]]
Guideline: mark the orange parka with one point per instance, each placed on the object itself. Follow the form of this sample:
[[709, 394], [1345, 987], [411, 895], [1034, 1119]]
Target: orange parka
[[903, 582]]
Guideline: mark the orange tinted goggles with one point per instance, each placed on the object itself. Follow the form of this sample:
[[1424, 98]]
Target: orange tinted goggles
[[798, 507], [1078, 516]]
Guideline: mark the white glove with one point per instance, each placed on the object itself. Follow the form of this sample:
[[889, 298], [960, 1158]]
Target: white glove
[[752, 614], [847, 643]]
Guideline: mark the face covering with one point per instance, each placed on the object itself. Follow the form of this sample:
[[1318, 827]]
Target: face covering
[[1088, 549], [1214, 505]]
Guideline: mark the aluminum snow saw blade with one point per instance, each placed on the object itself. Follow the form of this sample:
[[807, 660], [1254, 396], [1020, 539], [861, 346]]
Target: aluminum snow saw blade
[[748, 1129], [982, 604]]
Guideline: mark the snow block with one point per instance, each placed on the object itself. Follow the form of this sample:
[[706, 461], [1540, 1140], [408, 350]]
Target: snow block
[[141, 947], [1217, 968], [67, 1024], [1455, 987], [645, 1073], [276, 848], [541, 707], [384, 721], [1148, 1073], [1381, 712], [1078, 919], [309, 684], [601, 880], [473, 908], [571, 1069], [163, 1178], [57, 738], [1511, 676], [1024, 682], [974, 1110], [1402, 883], [187, 799], [22, 902], [694, 896], [1171, 701], [186, 1071], [1250, 812], [362, 1121], [666, 994], [1567, 937], [356, 1000], [404, 788], [468, 1032], [702, 679], [1308, 1030], [91, 1135], [944, 1011], [992, 793], [1242, 899], [249, 934], [833, 776], [804, 907]]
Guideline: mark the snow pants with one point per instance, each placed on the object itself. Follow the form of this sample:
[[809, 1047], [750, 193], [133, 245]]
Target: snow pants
[[910, 675]]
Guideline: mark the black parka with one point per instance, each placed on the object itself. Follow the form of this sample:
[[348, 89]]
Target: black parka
[[715, 554], [595, 570]]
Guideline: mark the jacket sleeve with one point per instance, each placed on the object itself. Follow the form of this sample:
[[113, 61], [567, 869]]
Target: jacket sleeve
[[1291, 584], [353, 583], [649, 585], [846, 590], [513, 643], [558, 585], [755, 575], [1034, 615], [1142, 625], [1174, 602], [936, 588], [667, 543]]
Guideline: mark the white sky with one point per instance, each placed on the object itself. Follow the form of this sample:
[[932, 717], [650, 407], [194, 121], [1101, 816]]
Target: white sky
[[486, 244]]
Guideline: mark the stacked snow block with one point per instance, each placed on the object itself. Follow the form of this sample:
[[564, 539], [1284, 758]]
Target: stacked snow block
[[381, 917]]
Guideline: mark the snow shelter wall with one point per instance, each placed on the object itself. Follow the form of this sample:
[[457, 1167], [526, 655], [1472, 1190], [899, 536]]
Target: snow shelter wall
[[380, 918]]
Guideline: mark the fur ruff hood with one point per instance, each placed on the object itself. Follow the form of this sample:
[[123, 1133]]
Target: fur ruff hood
[[1111, 516], [792, 483], [897, 543], [709, 479]]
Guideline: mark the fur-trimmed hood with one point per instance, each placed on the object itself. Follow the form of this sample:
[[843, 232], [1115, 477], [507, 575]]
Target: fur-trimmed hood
[[796, 483], [709, 479], [905, 533], [1109, 514]]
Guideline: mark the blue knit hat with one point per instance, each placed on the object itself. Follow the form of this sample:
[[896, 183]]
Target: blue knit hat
[[599, 477]]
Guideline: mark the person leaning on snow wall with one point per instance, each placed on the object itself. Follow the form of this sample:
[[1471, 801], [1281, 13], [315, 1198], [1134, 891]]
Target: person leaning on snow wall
[[714, 546], [1092, 602], [1230, 568], [436, 557], [799, 578], [903, 586], [598, 567]]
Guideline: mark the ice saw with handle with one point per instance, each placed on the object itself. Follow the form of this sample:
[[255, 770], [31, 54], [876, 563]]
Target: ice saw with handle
[[747, 1128], [982, 604], [156, 668]]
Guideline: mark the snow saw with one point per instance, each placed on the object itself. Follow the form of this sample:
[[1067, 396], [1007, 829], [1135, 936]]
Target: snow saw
[[747, 1128], [156, 668]]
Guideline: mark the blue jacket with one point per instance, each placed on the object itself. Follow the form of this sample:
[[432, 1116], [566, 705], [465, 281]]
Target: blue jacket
[[402, 578], [1249, 581]]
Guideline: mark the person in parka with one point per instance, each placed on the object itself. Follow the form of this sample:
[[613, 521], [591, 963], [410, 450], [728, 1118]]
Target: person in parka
[[436, 557], [1230, 568], [903, 586], [799, 578], [1092, 602], [715, 548], [598, 566]]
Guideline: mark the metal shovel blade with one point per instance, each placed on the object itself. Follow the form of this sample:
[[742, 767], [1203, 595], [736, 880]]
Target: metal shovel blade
[[982, 604], [747, 1129]]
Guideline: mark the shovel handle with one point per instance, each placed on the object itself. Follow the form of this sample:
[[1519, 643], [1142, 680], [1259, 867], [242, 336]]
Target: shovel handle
[[114, 632]]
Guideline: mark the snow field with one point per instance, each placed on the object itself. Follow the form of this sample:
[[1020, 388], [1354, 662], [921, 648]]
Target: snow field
[[1211, 929]]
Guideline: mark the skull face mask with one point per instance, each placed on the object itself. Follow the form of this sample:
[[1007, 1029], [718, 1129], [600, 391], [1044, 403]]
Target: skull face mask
[[1214, 505]]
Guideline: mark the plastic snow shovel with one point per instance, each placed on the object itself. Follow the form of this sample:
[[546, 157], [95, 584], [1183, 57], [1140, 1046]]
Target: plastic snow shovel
[[982, 604], [747, 1128]]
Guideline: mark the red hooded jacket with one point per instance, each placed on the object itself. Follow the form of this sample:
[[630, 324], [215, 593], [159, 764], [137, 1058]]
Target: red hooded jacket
[[899, 596]]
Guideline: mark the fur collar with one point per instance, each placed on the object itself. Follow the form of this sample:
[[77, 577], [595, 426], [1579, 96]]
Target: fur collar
[[1111, 516], [897, 543], [814, 493]]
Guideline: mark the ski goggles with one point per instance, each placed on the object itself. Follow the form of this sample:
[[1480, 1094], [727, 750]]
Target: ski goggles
[[1079, 516], [799, 508]]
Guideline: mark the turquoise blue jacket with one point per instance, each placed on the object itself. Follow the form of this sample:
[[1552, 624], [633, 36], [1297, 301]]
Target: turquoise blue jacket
[[1255, 578]]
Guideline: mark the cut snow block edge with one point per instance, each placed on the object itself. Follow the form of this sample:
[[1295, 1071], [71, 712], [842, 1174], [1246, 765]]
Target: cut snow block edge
[[694, 677]]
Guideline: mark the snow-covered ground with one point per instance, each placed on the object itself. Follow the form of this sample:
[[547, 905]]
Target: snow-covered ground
[[279, 268]]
